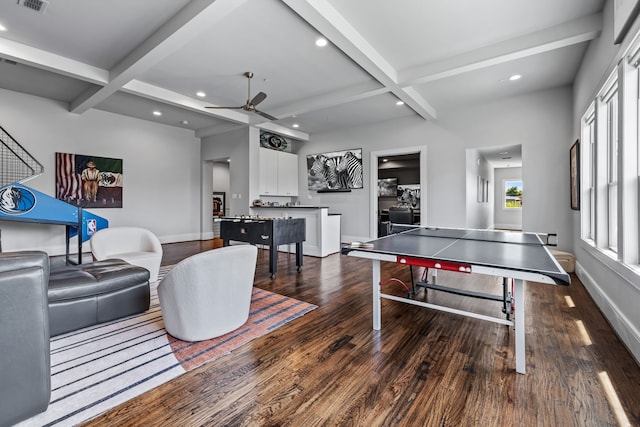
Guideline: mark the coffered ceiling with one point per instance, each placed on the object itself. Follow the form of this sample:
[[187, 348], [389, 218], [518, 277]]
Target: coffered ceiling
[[136, 57]]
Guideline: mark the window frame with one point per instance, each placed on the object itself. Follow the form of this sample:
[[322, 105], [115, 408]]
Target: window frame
[[610, 101], [610, 167], [504, 194]]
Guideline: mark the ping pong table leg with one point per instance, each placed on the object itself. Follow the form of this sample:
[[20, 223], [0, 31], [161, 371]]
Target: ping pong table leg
[[376, 294], [519, 324]]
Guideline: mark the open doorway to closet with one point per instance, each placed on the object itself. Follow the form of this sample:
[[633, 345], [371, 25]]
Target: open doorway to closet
[[398, 177]]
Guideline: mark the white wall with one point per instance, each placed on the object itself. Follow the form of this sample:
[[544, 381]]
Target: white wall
[[234, 146], [540, 122], [614, 287], [220, 177], [509, 218], [161, 177], [408, 132], [479, 214]]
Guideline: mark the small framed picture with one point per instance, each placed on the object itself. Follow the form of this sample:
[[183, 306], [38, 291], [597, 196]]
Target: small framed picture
[[574, 179], [218, 203]]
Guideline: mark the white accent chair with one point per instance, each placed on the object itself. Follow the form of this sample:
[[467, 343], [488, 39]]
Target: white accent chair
[[137, 246], [208, 294]]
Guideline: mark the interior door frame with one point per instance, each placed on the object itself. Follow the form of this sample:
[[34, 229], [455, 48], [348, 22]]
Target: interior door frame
[[373, 174]]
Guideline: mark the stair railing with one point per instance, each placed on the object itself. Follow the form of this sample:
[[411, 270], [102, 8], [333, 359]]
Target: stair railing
[[16, 164]]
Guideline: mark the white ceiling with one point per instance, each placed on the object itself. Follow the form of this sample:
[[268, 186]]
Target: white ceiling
[[133, 57], [508, 156]]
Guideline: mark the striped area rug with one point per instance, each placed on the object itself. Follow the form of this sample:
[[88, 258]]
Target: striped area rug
[[97, 368]]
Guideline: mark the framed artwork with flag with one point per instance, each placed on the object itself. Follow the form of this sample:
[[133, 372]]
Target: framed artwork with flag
[[89, 181]]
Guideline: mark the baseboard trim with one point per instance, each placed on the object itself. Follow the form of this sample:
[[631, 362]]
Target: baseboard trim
[[624, 329]]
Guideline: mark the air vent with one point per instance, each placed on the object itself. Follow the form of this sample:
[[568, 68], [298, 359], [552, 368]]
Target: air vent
[[39, 6]]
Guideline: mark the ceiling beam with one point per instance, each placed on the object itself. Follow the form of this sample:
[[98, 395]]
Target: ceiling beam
[[578, 31], [189, 22], [321, 15], [217, 129], [332, 99], [156, 93], [285, 131], [48, 61]]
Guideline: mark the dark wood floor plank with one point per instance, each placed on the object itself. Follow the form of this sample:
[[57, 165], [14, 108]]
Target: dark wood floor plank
[[424, 367]]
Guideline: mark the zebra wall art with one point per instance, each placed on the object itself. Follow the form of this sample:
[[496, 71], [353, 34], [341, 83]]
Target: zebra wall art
[[337, 171], [351, 167]]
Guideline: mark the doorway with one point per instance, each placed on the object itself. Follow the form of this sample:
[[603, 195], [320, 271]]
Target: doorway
[[495, 167], [220, 181], [417, 156]]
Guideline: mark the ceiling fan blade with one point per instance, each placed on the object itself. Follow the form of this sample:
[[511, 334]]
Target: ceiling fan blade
[[258, 98], [265, 115], [227, 108]]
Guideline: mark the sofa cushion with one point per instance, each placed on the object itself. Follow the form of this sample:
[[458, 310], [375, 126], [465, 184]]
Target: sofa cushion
[[100, 277]]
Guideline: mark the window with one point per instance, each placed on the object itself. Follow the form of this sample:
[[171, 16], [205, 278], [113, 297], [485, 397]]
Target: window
[[611, 105], [610, 165], [512, 194], [588, 177]]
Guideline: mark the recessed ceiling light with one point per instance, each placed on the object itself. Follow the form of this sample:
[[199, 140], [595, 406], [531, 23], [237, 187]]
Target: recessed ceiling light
[[3, 28], [321, 42], [515, 77], [385, 160], [185, 122], [504, 152], [201, 94], [157, 113], [295, 125], [400, 103]]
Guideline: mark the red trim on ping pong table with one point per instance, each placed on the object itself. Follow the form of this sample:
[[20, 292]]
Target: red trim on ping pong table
[[440, 265]]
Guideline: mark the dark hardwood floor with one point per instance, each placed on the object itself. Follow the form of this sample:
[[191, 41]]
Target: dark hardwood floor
[[424, 367]]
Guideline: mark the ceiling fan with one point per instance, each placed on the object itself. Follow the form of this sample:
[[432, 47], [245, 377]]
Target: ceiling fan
[[250, 105]]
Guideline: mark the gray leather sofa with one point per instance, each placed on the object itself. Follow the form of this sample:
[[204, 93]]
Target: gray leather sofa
[[37, 303], [25, 378]]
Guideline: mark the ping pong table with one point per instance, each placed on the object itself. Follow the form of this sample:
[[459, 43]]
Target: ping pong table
[[513, 255]]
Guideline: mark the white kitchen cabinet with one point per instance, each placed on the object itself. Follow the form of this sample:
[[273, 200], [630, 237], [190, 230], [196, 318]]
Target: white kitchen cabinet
[[268, 172], [287, 174], [278, 173]]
